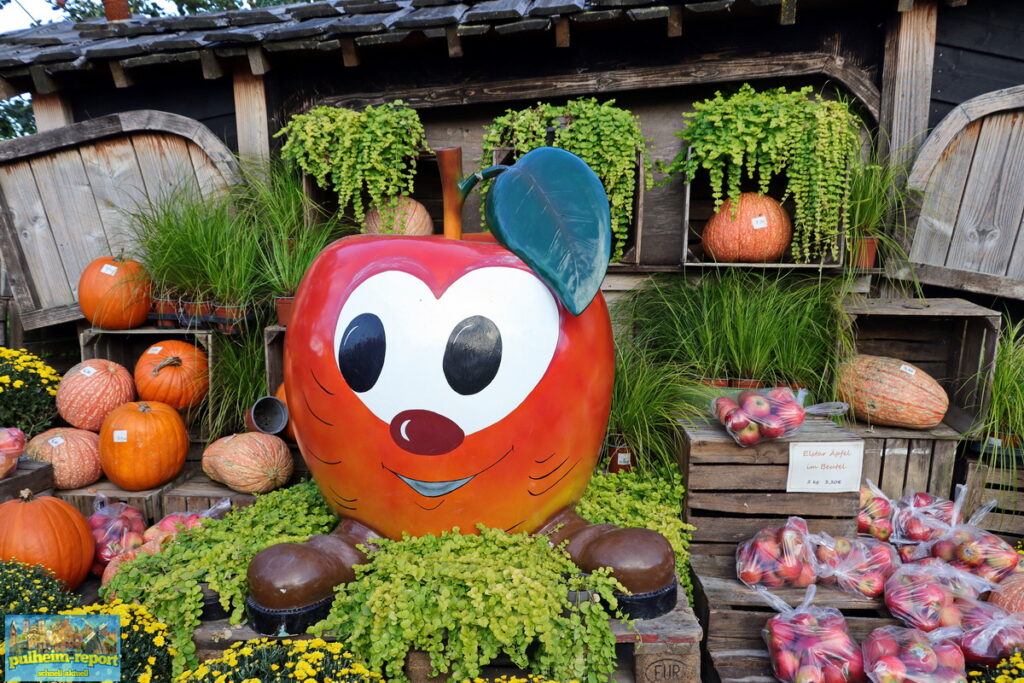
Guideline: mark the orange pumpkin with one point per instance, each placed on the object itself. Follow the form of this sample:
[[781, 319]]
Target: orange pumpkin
[[114, 293], [890, 392], [1010, 594], [250, 463], [90, 390], [409, 217], [173, 372], [47, 531], [143, 445], [74, 454], [289, 430], [759, 232]]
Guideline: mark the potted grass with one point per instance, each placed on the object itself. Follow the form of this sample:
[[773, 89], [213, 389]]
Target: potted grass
[[233, 275], [1001, 431], [879, 205]]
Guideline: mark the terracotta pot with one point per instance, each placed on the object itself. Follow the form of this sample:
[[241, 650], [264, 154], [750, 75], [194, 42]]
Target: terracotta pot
[[714, 382], [620, 459], [268, 415], [193, 313], [283, 306], [229, 319], [165, 313], [865, 252], [747, 384]]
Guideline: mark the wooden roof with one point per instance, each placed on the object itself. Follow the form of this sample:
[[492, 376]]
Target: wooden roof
[[326, 25]]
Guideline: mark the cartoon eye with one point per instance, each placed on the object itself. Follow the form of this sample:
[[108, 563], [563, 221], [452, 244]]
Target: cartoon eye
[[473, 355], [361, 352]]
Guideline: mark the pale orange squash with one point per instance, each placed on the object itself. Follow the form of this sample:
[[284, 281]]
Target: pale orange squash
[[759, 232], [890, 392], [74, 454], [251, 462], [90, 390]]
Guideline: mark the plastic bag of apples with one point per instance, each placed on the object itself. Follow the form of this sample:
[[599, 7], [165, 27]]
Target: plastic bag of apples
[[922, 517], [930, 594], [116, 528], [777, 557], [874, 515], [753, 416], [854, 565], [972, 549], [990, 633], [893, 653], [12, 444], [810, 644]]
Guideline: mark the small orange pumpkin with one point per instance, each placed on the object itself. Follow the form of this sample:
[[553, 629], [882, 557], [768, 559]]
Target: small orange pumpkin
[[74, 454], [173, 372], [759, 232], [250, 463], [143, 445], [289, 430], [115, 293], [408, 217], [47, 531], [90, 390]]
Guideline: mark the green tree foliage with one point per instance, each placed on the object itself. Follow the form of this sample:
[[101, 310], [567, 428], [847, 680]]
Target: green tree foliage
[[16, 118], [78, 10]]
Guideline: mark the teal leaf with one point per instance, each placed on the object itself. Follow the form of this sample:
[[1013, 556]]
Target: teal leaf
[[551, 210]]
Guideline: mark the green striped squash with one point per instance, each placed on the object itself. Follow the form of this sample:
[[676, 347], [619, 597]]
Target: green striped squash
[[891, 392]]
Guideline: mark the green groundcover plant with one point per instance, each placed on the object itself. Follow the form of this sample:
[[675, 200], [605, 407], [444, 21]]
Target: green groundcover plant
[[465, 598]]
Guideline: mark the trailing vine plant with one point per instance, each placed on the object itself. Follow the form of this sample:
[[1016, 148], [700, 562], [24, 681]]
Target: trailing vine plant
[[607, 137], [814, 141], [465, 598], [368, 158]]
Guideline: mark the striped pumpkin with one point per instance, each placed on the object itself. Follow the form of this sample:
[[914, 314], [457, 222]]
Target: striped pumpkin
[[887, 391], [173, 372], [74, 454], [1010, 594], [90, 390], [250, 463]]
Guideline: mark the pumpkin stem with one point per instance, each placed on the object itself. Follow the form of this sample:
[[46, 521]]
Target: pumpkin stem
[[144, 407], [25, 495], [172, 361]]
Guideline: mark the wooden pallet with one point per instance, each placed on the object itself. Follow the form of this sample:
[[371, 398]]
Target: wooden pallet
[[984, 484], [732, 492], [662, 650], [149, 502], [198, 493], [34, 476], [733, 615], [901, 461], [952, 340]]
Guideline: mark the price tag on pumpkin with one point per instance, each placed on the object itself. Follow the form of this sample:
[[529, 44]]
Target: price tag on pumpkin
[[909, 370], [153, 350], [88, 371], [56, 441], [825, 467], [120, 436], [108, 269], [759, 222]]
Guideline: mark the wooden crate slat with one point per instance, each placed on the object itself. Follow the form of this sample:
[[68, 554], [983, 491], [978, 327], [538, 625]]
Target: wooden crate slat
[[198, 493], [744, 625], [709, 443], [911, 351], [737, 477], [919, 459], [872, 465], [927, 308], [758, 503], [894, 467], [716, 529], [943, 464], [35, 476], [148, 501]]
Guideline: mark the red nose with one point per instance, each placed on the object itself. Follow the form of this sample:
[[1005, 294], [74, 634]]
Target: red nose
[[425, 433]]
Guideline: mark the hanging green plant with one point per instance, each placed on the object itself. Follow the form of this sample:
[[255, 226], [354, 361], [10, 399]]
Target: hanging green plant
[[814, 141], [368, 158], [607, 137]]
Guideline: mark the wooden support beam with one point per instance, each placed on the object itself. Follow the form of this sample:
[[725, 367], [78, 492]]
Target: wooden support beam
[[675, 21], [42, 81], [121, 77], [7, 90], [787, 12], [562, 32], [251, 119], [904, 5], [258, 62], [349, 54], [956, 3], [907, 79], [213, 67], [51, 111], [451, 36]]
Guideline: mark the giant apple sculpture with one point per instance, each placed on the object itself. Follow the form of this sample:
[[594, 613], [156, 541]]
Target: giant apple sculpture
[[436, 383]]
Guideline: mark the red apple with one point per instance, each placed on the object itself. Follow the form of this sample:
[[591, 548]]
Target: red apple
[[878, 507], [791, 414], [809, 673], [916, 530], [949, 656], [950, 616], [889, 670], [1003, 558], [744, 395], [825, 554], [919, 657], [806, 577], [771, 579], [833, 672], [750, 574], [880, 644], [723, 406], [785, 663], [945, 550], [757, 406], [772, 427], [931, 596], [971, 553], [781, 632], [789, 568], [922, 499], [749, 435], [865, 493], [843, 546], [781, 395], [736, 420], [863, 522], [881, 529], [871, 584]]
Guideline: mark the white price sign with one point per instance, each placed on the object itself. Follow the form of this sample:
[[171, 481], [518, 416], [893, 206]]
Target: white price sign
[[825, 467]]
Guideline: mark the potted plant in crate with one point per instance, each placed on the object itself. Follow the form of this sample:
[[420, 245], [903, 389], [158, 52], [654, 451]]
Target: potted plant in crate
[[367, 158], [879, 205], [1001, 430], [809, 140], [607, 137]]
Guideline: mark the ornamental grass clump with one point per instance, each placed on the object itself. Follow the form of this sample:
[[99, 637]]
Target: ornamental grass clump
[[217, 553], [27, 390], [464, 599], [629, 499], [277, 661]]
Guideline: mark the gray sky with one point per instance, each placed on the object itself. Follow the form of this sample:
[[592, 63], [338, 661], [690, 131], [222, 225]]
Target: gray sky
[[13, 17]]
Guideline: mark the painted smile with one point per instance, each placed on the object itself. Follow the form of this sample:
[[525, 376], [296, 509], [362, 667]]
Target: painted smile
[[436, 489]]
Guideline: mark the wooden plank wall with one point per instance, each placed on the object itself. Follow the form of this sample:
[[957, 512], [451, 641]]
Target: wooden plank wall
[[978, 49]]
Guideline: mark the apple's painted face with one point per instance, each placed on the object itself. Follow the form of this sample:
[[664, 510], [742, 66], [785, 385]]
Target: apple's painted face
[[434, 383]]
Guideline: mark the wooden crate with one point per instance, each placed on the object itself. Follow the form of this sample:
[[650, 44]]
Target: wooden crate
[[985, 484], [34, 476], [662, 650], [731, 492], [901, 461], [273, 354], [126, 346], [149, 502], [198, 493], [732, 615], [952, 340]]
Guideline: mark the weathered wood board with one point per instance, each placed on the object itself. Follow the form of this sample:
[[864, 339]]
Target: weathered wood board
[[65, 195]]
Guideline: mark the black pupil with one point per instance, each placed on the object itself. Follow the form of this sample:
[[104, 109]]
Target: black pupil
[[361, 352], [473, 354]]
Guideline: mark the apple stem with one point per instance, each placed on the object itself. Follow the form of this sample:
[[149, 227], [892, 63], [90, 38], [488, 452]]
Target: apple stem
[[449, 161]]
